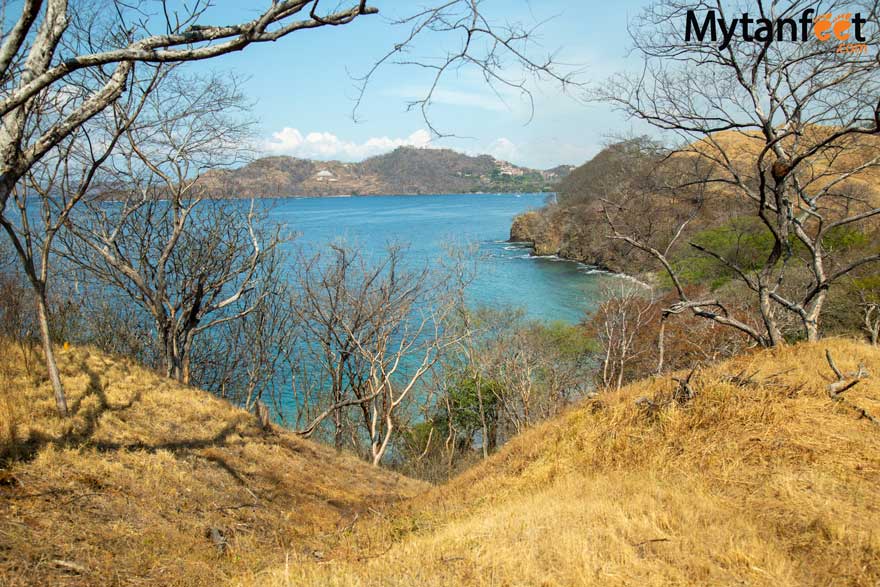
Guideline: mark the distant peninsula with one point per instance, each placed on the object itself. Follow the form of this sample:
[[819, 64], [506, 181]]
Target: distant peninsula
[[406, 170]]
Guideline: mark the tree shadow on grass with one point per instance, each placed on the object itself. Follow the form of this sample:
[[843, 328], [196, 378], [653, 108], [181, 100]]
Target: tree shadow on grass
[[87, 417]]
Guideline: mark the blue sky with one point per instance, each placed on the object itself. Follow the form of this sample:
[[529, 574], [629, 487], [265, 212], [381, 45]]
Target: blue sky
[[303, 90]]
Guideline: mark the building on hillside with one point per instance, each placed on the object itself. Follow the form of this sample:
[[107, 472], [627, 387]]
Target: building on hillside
[[505, 168], [324, 175]]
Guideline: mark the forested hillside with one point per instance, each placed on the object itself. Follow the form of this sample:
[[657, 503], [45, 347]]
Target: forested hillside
[[644, 185], [688, 222], [406, 170]]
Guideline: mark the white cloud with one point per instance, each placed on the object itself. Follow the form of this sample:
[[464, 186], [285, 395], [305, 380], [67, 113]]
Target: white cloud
[[326, 145], [504, 148], [483, 101]]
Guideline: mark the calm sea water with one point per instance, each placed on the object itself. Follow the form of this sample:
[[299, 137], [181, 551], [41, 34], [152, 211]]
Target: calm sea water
[[546, 288]]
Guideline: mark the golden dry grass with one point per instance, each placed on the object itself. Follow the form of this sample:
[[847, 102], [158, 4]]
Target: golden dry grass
[[125, 490], [851, 154], [758, 482], [761, 480]]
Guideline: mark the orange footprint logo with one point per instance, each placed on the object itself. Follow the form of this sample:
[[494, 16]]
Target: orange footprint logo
[[827, 24], [821, 26]]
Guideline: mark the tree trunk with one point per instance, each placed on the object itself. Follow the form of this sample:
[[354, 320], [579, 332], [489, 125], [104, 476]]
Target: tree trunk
[[51, 364], [185, 356], [338, 438], [774, 336], [872, 324], [169, 354], [661, 346], [485, 431], [185, 372], [379, 448], [811, 323]]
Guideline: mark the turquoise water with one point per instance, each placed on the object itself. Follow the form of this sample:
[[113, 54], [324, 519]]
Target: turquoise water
[[546, 288]]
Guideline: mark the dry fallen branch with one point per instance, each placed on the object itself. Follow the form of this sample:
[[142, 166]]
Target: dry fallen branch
[[641, 546], [216, 536], [70, 566], [845, 382], [684, 393], [746, 380], [681, 395]]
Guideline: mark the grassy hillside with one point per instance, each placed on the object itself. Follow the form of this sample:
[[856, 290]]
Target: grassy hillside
[[759, 480], [129, 490]]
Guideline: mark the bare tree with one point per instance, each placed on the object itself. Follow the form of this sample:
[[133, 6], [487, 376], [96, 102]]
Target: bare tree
[[786, 125], [48, 193], [623, 319], [327, 373], [374, 328], [63, 63], [86, 55], [403, 347], [869, 304], [244, 359], [871, 315], [187, 261]]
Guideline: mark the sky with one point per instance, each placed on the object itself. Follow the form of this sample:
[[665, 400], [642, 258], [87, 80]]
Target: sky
[[303, 87]]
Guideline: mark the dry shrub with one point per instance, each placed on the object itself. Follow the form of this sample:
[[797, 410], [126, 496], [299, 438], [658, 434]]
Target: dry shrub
[[631, 329]]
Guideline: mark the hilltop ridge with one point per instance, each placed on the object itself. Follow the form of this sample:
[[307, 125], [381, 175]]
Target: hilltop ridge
[[406, 170]]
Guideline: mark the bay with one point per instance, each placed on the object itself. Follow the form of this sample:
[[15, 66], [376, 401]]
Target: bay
[[547, 288]]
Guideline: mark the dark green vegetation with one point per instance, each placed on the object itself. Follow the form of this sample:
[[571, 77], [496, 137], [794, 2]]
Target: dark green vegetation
[[511, 376], [406, 170]]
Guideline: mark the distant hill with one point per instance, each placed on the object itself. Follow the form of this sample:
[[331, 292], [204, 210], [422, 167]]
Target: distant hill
[[406, 170]]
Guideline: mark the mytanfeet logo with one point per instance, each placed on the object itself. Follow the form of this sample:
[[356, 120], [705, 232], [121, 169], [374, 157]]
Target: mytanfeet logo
[[845, 32]]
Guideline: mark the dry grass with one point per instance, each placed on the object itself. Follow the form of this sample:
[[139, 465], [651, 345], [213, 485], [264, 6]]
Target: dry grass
[[819, 171], [125, 491], [761, 480]]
